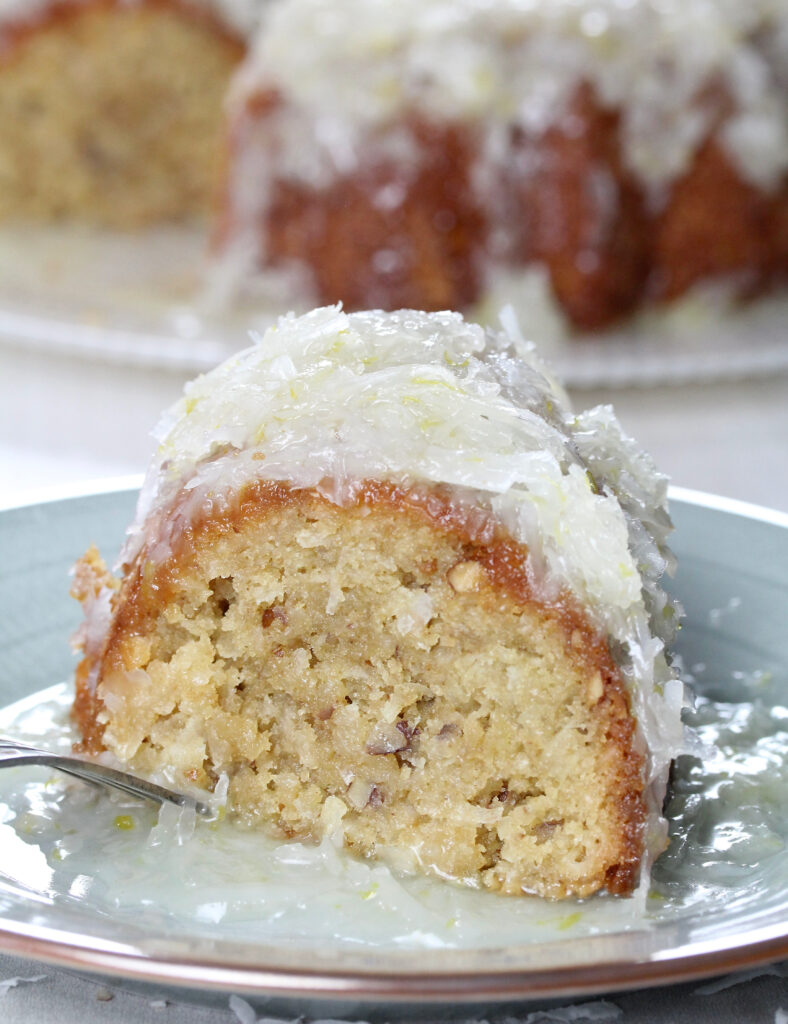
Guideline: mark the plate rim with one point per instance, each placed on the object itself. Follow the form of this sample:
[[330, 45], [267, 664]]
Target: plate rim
[[635, 354], [704, 336], [396, 987], [762, 943]]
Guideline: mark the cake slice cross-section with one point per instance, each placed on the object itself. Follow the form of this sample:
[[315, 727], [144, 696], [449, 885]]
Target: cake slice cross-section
[[384, 586]]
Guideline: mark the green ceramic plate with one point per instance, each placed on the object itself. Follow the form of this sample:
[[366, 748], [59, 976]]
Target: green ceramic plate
[[728, 859]]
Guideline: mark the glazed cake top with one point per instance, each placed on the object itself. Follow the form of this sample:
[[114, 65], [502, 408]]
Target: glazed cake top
[[241, 16], [412, 397], [329, 399], [519, 61]]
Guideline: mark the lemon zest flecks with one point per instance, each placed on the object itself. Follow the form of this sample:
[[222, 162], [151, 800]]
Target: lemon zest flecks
[[221, 814], [435, 382], [455, 363]]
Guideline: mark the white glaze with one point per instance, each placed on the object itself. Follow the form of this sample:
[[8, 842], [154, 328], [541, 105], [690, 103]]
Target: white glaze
[[328, 400], [344, 67], [60, 838]]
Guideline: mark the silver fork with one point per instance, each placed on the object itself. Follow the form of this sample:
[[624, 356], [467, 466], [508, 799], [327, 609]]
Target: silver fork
[[12, 752]]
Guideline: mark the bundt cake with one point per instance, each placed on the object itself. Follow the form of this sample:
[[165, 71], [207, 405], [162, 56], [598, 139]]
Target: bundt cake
[[111, 111], [436, 154], [384, 586], [429, 153]]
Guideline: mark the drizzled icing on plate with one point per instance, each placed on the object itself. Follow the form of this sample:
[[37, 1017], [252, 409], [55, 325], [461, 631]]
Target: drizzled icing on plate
[[77, 847], [329, 400]]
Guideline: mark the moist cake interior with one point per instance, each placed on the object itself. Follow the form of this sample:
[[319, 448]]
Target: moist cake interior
[[378, 665], [113, 114]]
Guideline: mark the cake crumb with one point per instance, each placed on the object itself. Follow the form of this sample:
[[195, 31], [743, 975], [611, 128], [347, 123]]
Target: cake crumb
[[596, 688]]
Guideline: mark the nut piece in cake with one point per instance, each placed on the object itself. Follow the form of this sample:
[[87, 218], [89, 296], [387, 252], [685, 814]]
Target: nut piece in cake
[[388, 585]]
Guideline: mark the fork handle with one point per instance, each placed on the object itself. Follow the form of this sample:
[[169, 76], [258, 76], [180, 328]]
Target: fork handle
[[102, 775]]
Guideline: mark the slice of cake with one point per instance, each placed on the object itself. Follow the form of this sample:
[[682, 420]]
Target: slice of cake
[[386, 584], [430, 153], [111, 111]]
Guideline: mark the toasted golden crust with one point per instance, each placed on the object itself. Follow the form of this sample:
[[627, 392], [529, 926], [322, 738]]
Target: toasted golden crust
[[564, 200], [594, 241], [344, 233], [381, 665], [694, 242]]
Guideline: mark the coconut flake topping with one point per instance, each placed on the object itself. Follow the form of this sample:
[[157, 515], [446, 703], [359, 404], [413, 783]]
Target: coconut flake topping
[[329, 399], [364, 62]]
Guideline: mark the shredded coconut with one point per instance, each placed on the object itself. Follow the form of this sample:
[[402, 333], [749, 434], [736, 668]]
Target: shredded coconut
[[328, 400], [365, 62], [741, 978], [8, 983]]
